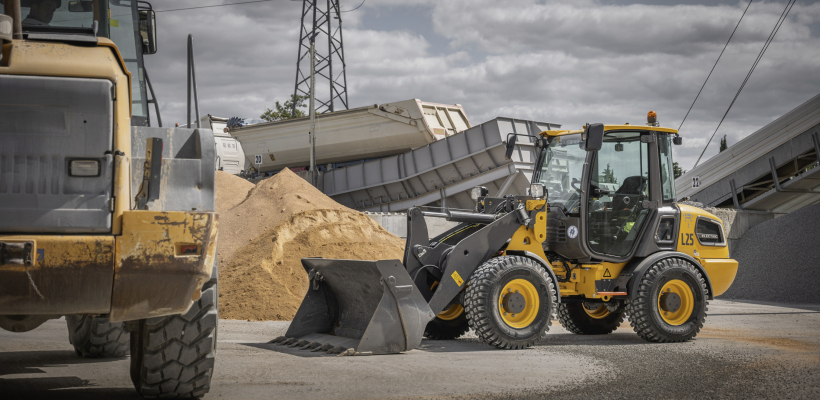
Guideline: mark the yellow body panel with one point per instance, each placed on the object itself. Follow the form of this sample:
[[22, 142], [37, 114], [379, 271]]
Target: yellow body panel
[[44, 58], [583, 277], [153, 276], [69, 274], [715, 259]]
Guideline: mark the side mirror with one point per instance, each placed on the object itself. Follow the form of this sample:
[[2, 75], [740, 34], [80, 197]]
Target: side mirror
[[595, 137], [510, 146], [677, 140], [148, 31]]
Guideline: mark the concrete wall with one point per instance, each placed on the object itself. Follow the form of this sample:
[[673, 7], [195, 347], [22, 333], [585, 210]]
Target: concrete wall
[[396, 223]]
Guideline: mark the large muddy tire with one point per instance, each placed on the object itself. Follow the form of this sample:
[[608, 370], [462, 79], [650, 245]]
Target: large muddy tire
[[510, 301], [174, 356], [671, 302], [448, 325], [96, 337], [584, 318]]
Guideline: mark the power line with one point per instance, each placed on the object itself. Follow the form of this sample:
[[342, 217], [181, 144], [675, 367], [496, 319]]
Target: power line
[[769, 40], [215, 5], [357, 7], [716, 63]]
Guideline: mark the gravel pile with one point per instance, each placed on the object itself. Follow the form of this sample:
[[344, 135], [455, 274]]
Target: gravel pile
[[780, 260]]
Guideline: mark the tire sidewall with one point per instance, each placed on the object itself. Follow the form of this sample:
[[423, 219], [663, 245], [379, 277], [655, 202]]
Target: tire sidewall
[[677, 271], [520, 270]]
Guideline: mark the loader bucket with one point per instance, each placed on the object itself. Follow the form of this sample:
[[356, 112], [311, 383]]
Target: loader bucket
[[358, 307]]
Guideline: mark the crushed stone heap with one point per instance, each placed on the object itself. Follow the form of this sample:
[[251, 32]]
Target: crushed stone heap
[[779, 260], [266, 229]]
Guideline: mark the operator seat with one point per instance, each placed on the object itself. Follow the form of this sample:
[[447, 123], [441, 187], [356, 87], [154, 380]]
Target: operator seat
[[632, 187]]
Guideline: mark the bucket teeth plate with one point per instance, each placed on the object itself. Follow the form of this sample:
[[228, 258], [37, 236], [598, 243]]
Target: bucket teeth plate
[[358, 307]]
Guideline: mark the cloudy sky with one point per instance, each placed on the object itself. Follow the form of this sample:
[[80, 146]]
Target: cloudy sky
[[605, 61]]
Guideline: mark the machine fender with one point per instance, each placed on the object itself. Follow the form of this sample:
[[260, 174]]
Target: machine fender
[[635, 269], [543, 263]]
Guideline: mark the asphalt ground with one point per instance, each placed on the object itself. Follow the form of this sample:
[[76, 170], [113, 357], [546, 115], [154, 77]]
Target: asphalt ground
[[746, 350]]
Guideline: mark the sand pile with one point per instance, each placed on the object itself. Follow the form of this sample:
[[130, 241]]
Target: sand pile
[[263, 238], [230, 191]]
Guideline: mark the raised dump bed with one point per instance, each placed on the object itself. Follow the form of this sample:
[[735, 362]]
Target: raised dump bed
[[441, 172], [356, 134]]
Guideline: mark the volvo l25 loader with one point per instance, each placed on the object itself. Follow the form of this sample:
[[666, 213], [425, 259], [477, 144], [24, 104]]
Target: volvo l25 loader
[[599, 237], [103, 220]]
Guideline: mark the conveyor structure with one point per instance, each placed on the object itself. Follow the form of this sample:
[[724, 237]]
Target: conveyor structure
[[774, 169], [441, 173]]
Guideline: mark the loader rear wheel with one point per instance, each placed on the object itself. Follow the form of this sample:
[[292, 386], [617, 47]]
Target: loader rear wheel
[[174, 356], [671, 302], [586, 318], [96, 337], [510, 301]]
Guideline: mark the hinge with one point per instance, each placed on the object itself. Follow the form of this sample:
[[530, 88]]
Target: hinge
[[114, 92], [112, 203]]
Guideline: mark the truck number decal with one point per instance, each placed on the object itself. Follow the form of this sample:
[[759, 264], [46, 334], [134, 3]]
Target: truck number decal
[[687, 239]]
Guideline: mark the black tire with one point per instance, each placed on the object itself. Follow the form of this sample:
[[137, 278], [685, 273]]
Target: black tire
[[484, 314], [645, 312], [94, 337], [443, 329], [575, 318], [174, 356]]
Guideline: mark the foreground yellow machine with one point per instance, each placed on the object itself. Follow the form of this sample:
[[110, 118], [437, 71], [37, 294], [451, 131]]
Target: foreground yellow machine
[[108, 224], [599, 237]]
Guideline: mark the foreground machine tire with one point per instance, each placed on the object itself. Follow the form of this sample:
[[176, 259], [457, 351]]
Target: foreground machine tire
[[510, 301], [671, 302], [96, 337], [174, 356], [590, 318]]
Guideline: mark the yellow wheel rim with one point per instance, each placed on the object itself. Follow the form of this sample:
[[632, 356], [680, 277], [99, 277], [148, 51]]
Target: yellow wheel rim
[[518, 303], [451, 312], [598, 313], [676, 302]]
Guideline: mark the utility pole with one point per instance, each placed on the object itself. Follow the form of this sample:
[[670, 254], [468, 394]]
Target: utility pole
[[321, 27], [312, 134]]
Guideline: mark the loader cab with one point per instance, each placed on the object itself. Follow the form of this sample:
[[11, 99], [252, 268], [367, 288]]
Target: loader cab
[[603, 196], [131, 25]]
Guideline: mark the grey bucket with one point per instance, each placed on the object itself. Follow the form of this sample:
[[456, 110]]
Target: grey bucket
[[358, 307]]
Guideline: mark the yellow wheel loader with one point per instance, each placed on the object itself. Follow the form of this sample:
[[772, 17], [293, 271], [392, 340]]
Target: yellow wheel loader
[[599, 237], [103, 220]]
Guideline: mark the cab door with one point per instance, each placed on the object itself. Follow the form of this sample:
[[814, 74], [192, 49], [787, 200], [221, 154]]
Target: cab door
[[619, 183]]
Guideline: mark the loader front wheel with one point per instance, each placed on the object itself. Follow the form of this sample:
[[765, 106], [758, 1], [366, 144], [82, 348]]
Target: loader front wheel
[[96, 337], [510, 301], [448, 325], [174, 356], [585, 318], [670, 304]]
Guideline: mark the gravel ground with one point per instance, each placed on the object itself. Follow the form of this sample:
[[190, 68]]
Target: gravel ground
[[780, 260], [744, 351]]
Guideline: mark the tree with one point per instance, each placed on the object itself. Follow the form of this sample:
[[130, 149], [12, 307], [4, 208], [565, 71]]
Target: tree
[[677, 170], [723, 144], [286, 111], [609, 175]]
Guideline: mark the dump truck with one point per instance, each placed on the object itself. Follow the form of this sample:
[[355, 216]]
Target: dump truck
[[103, 220], [600, 236]]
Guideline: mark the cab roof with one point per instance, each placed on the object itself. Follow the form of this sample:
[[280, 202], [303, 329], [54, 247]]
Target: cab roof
[[611, 128]]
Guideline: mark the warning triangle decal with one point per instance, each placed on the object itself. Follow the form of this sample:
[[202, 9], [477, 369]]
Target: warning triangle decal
[[607, 274]]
